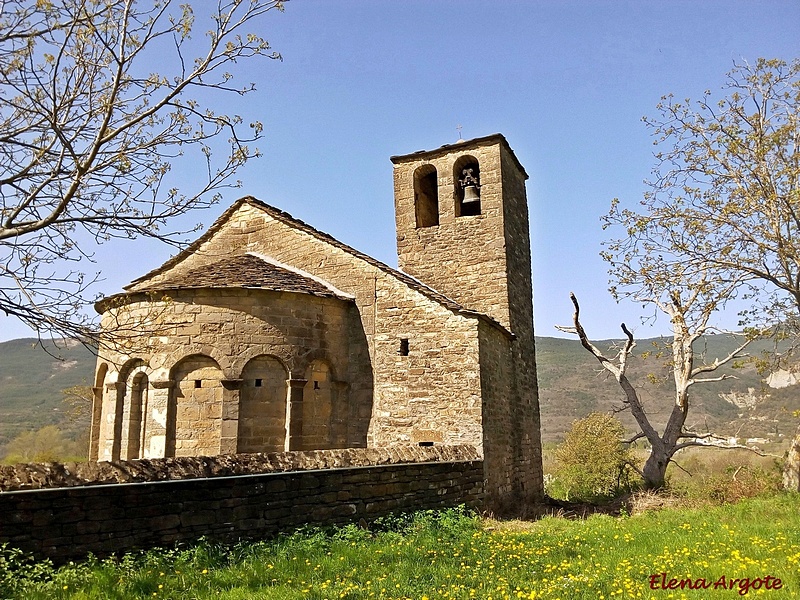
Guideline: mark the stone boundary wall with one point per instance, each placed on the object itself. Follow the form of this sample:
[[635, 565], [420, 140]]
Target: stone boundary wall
[[281, 492], [56, 475]]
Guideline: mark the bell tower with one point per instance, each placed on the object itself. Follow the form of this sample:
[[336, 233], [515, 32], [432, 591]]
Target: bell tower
[[462, 227]]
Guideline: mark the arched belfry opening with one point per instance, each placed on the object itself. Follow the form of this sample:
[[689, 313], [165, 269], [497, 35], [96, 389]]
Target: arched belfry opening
[[467, 181], [426, 196]]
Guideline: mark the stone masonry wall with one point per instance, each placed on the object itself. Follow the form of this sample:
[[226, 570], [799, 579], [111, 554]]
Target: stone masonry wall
[[232, 340], [332, 486], [497, 387], [433, 393], [527, 458], [463, 257], [483, 261]]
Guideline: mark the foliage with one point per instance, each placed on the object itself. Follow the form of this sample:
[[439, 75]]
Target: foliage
[[459, 557], [721, 476], [19, 570], [592, 462], [78, 400], [719, 220], [736, 484], [47, 444], [725, 194], [91, 131]]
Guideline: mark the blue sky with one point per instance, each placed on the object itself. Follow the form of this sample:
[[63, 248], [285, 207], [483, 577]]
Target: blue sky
[[566, 82]]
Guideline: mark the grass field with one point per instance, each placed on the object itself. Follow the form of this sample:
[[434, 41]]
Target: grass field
[[736, 550]]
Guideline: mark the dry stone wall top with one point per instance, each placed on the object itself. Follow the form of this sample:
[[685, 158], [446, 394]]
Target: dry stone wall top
[[56, 475]]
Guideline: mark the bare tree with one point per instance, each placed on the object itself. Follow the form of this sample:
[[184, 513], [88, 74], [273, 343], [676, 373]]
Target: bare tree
[[720, 221], [675, 435], [98, 98]]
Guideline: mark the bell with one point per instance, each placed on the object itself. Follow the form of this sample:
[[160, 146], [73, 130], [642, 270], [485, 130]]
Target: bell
[[472, 189], [471, 194]]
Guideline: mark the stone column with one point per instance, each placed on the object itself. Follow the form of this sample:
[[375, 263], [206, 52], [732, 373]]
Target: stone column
[[229, 432], [97, 415], [112, 421], [294, 437], [156, 428]]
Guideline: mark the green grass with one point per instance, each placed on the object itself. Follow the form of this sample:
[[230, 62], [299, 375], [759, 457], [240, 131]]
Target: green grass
[[455, 555]]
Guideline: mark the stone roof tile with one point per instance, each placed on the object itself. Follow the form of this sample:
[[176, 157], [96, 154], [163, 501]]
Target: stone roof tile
[[246, 271]]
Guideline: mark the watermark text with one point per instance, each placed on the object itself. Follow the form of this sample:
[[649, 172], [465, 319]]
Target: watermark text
[[662, 581]]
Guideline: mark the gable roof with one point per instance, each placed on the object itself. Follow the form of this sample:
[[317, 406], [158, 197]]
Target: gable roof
[[299, 225]]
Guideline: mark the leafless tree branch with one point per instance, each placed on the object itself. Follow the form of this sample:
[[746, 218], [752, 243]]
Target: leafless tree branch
[[89, 133]]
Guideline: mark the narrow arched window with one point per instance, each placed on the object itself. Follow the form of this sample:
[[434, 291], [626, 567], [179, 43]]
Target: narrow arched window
[[467, 180], [426, 196]]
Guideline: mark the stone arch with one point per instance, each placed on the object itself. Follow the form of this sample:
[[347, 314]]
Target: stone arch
[[224, 362], [194, 411], [263, 398], [115, 416], [466, 170], [281, 352], [426, 196], [97, 410], [128, 420], [301, 364], [318, 406], [100, 375]]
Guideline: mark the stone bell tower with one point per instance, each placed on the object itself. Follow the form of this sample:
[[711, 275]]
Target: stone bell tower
[[462, 228]]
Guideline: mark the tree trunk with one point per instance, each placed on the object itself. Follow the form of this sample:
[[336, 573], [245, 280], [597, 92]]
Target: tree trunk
[[791, 468], [655, 468]]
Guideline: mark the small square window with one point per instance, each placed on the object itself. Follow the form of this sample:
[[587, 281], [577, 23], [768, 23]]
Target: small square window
[[259, 382], [198, 383], [403, 351]]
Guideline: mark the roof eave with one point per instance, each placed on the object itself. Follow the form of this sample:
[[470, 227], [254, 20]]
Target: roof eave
[[101, 305], [449, 148]]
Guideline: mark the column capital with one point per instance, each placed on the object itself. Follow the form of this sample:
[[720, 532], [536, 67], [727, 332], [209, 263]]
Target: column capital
[[162, 384], [232, 384]]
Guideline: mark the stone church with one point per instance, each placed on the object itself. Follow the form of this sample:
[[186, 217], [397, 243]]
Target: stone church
[[267, 334]]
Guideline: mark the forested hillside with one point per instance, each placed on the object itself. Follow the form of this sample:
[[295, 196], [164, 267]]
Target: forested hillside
[[32, 377], [572, 384]]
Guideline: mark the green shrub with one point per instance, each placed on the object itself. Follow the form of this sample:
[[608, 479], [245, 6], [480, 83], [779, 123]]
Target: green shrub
[[592, 463], [19, 570]]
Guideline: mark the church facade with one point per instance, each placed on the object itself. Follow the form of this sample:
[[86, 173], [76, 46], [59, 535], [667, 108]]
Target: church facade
[[268, 335]]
